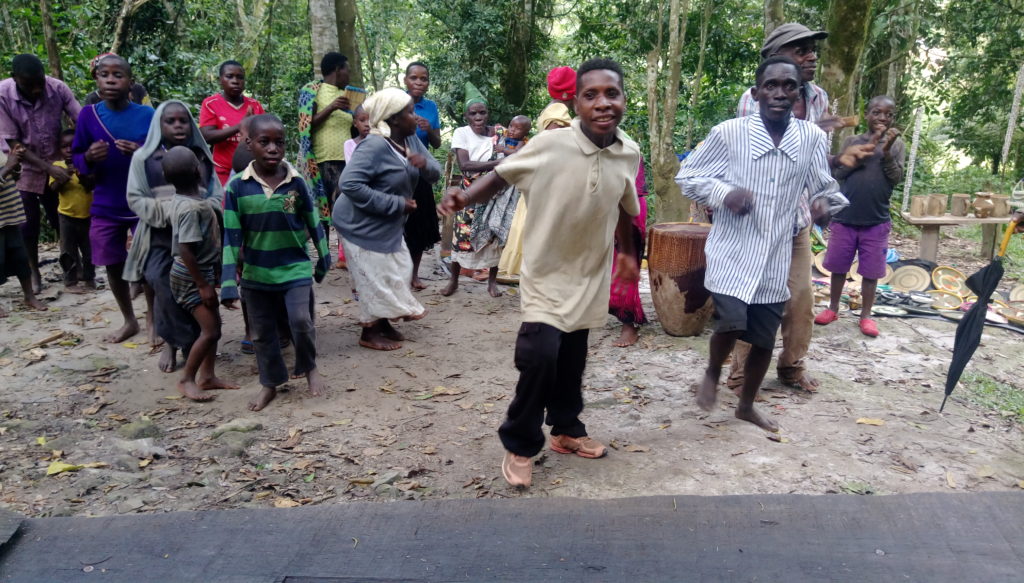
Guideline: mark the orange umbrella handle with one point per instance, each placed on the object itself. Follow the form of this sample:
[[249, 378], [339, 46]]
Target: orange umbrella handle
[[1006, 238]]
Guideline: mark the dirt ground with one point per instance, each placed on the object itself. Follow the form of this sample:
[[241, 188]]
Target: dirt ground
[[420, 422]]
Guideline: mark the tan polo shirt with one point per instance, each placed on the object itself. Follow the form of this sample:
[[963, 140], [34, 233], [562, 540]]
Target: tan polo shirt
[[573, 190]]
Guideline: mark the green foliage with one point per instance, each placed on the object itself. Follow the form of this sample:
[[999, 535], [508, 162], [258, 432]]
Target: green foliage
[[981, 389]]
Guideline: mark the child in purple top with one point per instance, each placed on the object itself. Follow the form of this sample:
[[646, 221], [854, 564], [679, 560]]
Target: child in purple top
[[106, 136]]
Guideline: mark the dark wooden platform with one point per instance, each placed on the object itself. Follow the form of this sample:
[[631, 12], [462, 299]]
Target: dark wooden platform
[[787, 538]]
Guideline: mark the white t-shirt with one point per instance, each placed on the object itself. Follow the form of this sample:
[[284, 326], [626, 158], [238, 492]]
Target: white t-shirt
[[480, 148]]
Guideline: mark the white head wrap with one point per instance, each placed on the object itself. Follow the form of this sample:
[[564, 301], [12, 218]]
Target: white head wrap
[[382, 105]]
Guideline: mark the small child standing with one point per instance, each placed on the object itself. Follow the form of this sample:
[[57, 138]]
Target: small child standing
[[196, 244], [75, 198], [269, 211], [868, 168], [13, 256]]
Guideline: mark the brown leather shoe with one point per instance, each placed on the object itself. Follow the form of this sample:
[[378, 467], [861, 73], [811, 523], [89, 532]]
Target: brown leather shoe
[[581, 446], [517, 470]]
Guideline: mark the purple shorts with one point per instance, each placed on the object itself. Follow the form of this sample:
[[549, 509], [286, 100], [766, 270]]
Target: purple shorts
[[870, 244], [109, 239]]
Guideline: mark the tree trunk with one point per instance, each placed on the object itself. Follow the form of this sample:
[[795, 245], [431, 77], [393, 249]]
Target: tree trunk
[[121, 26], [705, 21], [848, 23], [515, 82], [672, 206], [773, 16], [345, 14], [50, 39], [323, 30], [253, 19]]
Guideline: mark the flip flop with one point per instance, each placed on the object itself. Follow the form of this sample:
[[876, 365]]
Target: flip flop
[[247, 347]]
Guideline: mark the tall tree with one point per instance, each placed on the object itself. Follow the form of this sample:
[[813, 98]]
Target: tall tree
[[848, 22], [323, 30], [50, 39], [347, 12], [253, 15], [663, 75], [122, 25], [774, 15]]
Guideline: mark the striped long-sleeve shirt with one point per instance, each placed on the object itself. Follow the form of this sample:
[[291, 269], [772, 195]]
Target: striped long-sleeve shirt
[[748, 256], [816, 104], [272, 225]]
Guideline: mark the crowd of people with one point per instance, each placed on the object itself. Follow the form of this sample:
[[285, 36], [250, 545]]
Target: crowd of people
[[186, 207]]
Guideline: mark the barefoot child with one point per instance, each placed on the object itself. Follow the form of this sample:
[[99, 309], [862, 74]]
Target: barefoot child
[[567, 249], [752, 171], [197, 245], [868, 176], [13, 258], [106, 136], [74, 199], [269, 211]]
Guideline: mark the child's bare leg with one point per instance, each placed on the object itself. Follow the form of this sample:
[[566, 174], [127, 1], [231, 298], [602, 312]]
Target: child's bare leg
[[721, 344], [122, 293], [867, 295], [374, 337], [209, 333], [757, 365], [835, 292], [154, 339], [207, 378], [453, 282], [492, 282], [416, 258], [315, 383], [30, 297], [168, 358]]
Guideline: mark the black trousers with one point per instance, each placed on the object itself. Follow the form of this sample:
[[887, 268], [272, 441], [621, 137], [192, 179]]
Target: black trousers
[[264, 308], [550, 364], [75, 250]]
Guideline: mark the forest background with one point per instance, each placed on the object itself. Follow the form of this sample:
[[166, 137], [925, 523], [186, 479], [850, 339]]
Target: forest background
[[687, 61]]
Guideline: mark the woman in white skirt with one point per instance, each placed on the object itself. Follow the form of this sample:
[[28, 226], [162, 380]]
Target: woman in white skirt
[[377, 187]]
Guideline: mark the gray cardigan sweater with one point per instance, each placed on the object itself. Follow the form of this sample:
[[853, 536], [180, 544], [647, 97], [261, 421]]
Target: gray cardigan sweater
[[374, 185]]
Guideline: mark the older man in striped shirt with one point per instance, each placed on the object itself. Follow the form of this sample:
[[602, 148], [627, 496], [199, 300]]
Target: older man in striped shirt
[[753, 171]]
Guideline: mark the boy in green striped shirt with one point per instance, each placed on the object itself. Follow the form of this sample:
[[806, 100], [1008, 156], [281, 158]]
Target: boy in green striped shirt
[[269, 212]]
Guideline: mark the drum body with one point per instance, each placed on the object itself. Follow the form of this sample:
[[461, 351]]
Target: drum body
[[676, 264]]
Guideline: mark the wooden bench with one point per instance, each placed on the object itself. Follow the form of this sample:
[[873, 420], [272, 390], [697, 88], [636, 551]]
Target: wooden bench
[[929, 247]]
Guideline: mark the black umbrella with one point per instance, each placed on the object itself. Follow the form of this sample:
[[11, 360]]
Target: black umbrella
[[968, 331]]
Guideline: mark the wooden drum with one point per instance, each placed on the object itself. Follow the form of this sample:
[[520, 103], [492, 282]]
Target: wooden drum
[[676, 263]]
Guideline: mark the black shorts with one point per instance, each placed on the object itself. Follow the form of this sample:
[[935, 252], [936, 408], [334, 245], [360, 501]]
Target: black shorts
[[759, 322], [13, 257]]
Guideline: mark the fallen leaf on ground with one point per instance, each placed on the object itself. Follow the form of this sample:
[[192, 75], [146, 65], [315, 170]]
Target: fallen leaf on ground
[[130, 344], [776, 437], [59, 467], [637, 448], [986, 472], [950, 481], [41, 440], [373, 451], [868, 421], [285, 503], [34, 355], [294, 438], [144, 463], [95, 408]]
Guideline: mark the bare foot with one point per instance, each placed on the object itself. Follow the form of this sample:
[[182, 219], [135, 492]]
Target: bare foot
[[130, 328], [90, 285], [37, 283], [628, 336], [453, 284], [339, 264], [75, 289], [316, 384], [190, 390], [266, 395], [707, 392], [168, 358], [378, 342], [35, 304], [388, 331], [754, 417], [492, 288], [418, 284], [214, 383], [805, 382]]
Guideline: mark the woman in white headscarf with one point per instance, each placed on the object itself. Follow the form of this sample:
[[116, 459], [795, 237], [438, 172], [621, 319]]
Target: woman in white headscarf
[[377, 189], [151, 255]]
